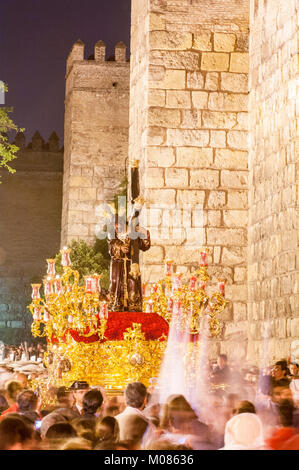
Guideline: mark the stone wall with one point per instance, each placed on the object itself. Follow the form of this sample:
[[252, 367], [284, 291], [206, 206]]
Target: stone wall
[[189, 124], [30, 227], [273, 271], [96, 136]]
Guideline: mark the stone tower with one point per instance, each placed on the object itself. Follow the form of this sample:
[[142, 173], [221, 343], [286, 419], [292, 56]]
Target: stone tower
[[189, 124], [96, 136], [213, 118]]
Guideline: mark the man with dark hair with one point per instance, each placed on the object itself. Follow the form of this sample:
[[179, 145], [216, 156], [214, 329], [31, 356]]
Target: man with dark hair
[[135, 398], [28, 405], [92, 402], [222, 373]]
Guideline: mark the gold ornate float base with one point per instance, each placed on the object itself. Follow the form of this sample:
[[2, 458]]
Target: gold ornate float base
[[111, 365]]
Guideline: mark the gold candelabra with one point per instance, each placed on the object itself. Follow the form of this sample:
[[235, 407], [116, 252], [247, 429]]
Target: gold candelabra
[[66, 305], [187, 303]]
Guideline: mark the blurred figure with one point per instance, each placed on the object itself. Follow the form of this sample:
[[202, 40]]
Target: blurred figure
[[181, 425], [12, 389], [29, 404], [244, 407], [3, 403], [244, 432], [222, 373], [22, 379], [107, 429], [15, 434]]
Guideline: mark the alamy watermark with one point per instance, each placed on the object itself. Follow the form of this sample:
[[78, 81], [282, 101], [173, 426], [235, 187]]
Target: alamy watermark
[[180, 224]]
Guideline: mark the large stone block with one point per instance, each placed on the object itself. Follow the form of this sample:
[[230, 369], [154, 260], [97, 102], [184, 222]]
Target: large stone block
[[172, 80], [202, 41], [194, 157], [195, 80], [165, 197], [200, 99], [154, 178], [170, 40], [160, 156], [186, 60], [192, 138], [218, 120], [191, 119], [217, 199], [218, 139], [204, 179], [231, 159], [212, 81], [239, 62], [234, 82], [228, 102], [235, 218], [237, 199], [234, 179], [163, 117], [176, 177], [190, 197], [156, 98], [238, 140], [154, 136], [178, 99], [215, 61], [224, 42], [226, 237]]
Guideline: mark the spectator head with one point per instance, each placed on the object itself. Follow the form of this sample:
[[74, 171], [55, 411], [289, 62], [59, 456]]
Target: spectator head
[[65, 397], [286, 410], [76, 443], [60, 431], [279, 370], [176, 413], [22, 378], [222, 361], [244, 407], [294, 368], [14, 433], [107, 429], [79, 388], [281, 392], [13, 388], [135, 395], [27, 401], [92, 402]]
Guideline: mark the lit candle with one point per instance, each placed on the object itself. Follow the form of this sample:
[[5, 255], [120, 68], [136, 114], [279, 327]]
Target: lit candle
[[48, 286], [221, 286], [70, 319], [58, 285], [177, 307], [88, 284], [202, 285], [51, 267], [192, 283], [170, 305], [65, 256], [149, 306], [177, 282], [154, 289], [203, 258], [168, 269], [143, 290], [104, 310], [35, 291], [37, 314]]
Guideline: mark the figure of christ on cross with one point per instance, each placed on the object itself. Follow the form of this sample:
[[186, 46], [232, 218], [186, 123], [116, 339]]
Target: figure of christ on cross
[[125, 293]]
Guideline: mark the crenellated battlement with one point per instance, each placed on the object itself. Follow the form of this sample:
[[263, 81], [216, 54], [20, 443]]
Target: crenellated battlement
[[37, 143], [78, 54]]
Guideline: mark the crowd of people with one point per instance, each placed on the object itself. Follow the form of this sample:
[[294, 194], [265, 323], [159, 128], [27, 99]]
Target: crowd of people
[[22, 352], [261, 414]]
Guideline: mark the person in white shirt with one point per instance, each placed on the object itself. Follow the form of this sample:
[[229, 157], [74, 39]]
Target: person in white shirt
[[136, 400]]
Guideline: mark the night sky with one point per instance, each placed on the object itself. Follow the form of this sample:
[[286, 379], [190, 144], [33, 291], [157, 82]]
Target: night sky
[[36, 37]]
